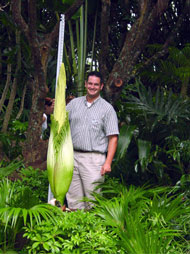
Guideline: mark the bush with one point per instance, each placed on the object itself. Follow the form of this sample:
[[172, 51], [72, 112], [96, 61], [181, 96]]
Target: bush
[[148, 220], [79, 232], [20, 207], [36, 180]]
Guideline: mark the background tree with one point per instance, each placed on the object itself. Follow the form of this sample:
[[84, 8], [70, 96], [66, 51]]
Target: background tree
[[40, 46], [145, 22]]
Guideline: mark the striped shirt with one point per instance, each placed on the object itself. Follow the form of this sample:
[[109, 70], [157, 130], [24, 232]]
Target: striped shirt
[[91, 125]]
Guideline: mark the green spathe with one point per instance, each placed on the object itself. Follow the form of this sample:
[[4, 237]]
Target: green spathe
[[60, 159]]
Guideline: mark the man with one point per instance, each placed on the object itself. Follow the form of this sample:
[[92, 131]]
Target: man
[[94, 131]]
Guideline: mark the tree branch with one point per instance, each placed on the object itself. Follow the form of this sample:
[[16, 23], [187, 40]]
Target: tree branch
[[105, 14], [170, 39], [16, 12], [32, 21], [51, 37], [135, 42]]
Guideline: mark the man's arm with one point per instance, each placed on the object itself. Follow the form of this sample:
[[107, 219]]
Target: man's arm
[[112, 146]]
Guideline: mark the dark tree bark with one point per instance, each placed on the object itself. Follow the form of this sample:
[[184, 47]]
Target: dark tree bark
[[135, 42], [105, 15], [170, 37], [35, 149]]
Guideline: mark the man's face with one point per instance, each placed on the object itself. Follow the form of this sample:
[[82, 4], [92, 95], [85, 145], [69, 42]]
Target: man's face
[[93, 86]]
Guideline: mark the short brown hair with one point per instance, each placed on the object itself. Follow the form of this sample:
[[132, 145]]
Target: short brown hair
[[97, 74]]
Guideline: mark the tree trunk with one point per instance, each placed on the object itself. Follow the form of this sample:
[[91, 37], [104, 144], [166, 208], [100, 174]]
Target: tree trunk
[[104, 30], [135, 42], [184, 87], [0, 64], [34, 149], [3, 156], [14, 87], [22, 103], [6, 88], [124, 68]]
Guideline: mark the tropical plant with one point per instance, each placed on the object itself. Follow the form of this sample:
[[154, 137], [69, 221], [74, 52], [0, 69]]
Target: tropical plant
[[159, 108], [17, 208], [79, 61], [35, 179], [79, 51], [172, 72], [147, 220], [77, 232], [60, 160], [7, 168], [145, 141], [12, 139], [183, 187]]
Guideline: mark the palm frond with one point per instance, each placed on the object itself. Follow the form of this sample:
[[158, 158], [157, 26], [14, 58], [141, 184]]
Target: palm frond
[[144, 219], [6, 192], [161, 107], [11, 167], [11, 215], [126, 133], [144, 148]]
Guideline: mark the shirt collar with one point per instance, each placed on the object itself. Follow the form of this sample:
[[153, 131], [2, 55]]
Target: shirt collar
[[85, 100]]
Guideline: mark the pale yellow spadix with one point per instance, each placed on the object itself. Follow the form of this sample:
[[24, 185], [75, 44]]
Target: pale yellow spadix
[[59, 108], [60, 159]]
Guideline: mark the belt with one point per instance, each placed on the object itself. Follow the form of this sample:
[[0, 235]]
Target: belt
[[82, 151]]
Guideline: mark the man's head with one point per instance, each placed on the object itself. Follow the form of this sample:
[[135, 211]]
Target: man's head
[[49, 106], [94, 85], [48, 101], [97, 74]]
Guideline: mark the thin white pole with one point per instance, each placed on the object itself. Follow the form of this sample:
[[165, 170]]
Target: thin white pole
[[60, 45]]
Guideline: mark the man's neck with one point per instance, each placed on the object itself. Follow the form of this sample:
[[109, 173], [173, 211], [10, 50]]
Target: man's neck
[[91, 99]]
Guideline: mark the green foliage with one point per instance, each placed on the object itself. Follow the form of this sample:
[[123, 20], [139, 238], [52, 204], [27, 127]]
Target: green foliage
[[161, 108], [19, 127], [35, 180], [124, 220], [76, 63], [125, 136], [178, 149], [12, 139], [154, 141], [171, 72], [9, 252], [7, 169], [77, 232], [183, 186], [147, 220], [17, 208], [144, 148]]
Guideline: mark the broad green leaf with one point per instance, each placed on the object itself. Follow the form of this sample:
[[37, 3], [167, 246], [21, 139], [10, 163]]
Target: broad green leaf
[[144, 148], [125, 136]]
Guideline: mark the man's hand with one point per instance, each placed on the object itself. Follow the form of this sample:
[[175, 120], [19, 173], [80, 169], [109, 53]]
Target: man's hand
[[112, 145], [106, 168]]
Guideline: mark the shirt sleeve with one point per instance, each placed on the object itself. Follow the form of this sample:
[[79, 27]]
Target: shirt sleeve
[[69, 106], [111, 123]]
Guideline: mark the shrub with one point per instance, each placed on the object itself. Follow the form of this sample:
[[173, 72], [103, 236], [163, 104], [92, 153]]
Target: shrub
[[78, 232], [36, 180]]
